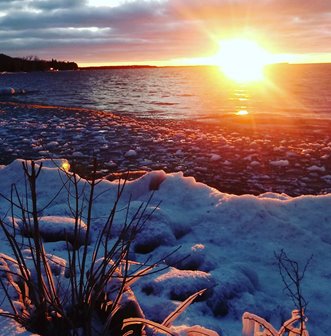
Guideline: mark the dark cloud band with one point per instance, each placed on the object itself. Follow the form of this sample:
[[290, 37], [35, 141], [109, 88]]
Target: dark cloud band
[[172, 28]]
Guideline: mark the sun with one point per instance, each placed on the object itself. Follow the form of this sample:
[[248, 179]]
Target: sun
[[242, 60]]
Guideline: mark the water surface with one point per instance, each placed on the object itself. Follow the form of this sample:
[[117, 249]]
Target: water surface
[[182, 92]]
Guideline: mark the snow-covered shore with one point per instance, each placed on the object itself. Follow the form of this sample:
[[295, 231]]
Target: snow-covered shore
[[229, 240]]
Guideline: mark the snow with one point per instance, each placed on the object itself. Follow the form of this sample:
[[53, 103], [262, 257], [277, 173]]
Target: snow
[[57, 228], [9, 327], [226, 243]]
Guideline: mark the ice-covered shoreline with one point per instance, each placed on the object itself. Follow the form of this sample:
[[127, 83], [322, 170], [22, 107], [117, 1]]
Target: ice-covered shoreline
[[238, 158], [230, 241]]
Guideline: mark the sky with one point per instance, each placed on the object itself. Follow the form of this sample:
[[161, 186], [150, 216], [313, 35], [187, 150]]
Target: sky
[[162, 32]]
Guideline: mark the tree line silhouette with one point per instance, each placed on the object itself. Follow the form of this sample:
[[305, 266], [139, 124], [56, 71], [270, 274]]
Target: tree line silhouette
[[33, 63]]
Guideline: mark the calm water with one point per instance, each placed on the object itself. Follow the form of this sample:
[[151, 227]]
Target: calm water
[[182, 93]]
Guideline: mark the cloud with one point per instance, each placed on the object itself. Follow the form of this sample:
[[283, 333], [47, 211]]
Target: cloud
[[126, 15], [40, 4], [57, 4], [158, 29]]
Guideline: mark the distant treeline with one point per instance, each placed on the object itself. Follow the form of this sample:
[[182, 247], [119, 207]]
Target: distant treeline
[[32, 63], [109, 67]]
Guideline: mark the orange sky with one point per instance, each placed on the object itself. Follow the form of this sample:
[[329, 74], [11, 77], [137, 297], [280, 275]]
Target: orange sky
[[163, 32]]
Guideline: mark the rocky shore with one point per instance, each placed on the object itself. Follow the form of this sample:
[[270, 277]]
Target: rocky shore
[[237, 155]]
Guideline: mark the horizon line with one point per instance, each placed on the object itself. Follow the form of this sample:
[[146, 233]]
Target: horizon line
[[134, 65]]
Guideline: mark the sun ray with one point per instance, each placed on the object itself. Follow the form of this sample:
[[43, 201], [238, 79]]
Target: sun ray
[[242, 60]]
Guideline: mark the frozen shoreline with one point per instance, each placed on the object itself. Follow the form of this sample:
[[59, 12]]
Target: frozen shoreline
[[229, 240], [236, 156]]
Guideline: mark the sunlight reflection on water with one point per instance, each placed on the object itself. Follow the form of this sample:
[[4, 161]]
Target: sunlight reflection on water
[[242, 112], [182, 93]]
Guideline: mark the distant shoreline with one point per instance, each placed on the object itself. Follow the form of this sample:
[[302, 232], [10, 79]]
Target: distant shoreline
[[106, 67], [146, 66]]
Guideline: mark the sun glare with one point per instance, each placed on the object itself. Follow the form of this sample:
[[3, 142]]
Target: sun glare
[[242, 60], [66, 166], [242, 113]]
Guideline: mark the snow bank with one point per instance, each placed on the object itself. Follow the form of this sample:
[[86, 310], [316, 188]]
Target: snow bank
[[227, 245], [57, 228]]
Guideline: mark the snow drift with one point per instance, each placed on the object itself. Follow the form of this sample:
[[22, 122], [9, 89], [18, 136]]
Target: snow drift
[[227, 245]]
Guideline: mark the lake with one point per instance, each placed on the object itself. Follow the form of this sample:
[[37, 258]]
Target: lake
[[199, 93]]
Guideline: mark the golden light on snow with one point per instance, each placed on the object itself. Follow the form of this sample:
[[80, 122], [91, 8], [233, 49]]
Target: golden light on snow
[[66, 166]]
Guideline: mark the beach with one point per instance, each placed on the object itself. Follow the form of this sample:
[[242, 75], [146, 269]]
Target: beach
[[165, 168], [238, 154]]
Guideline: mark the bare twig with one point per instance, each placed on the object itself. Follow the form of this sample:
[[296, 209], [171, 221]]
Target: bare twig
[[292, 278]]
